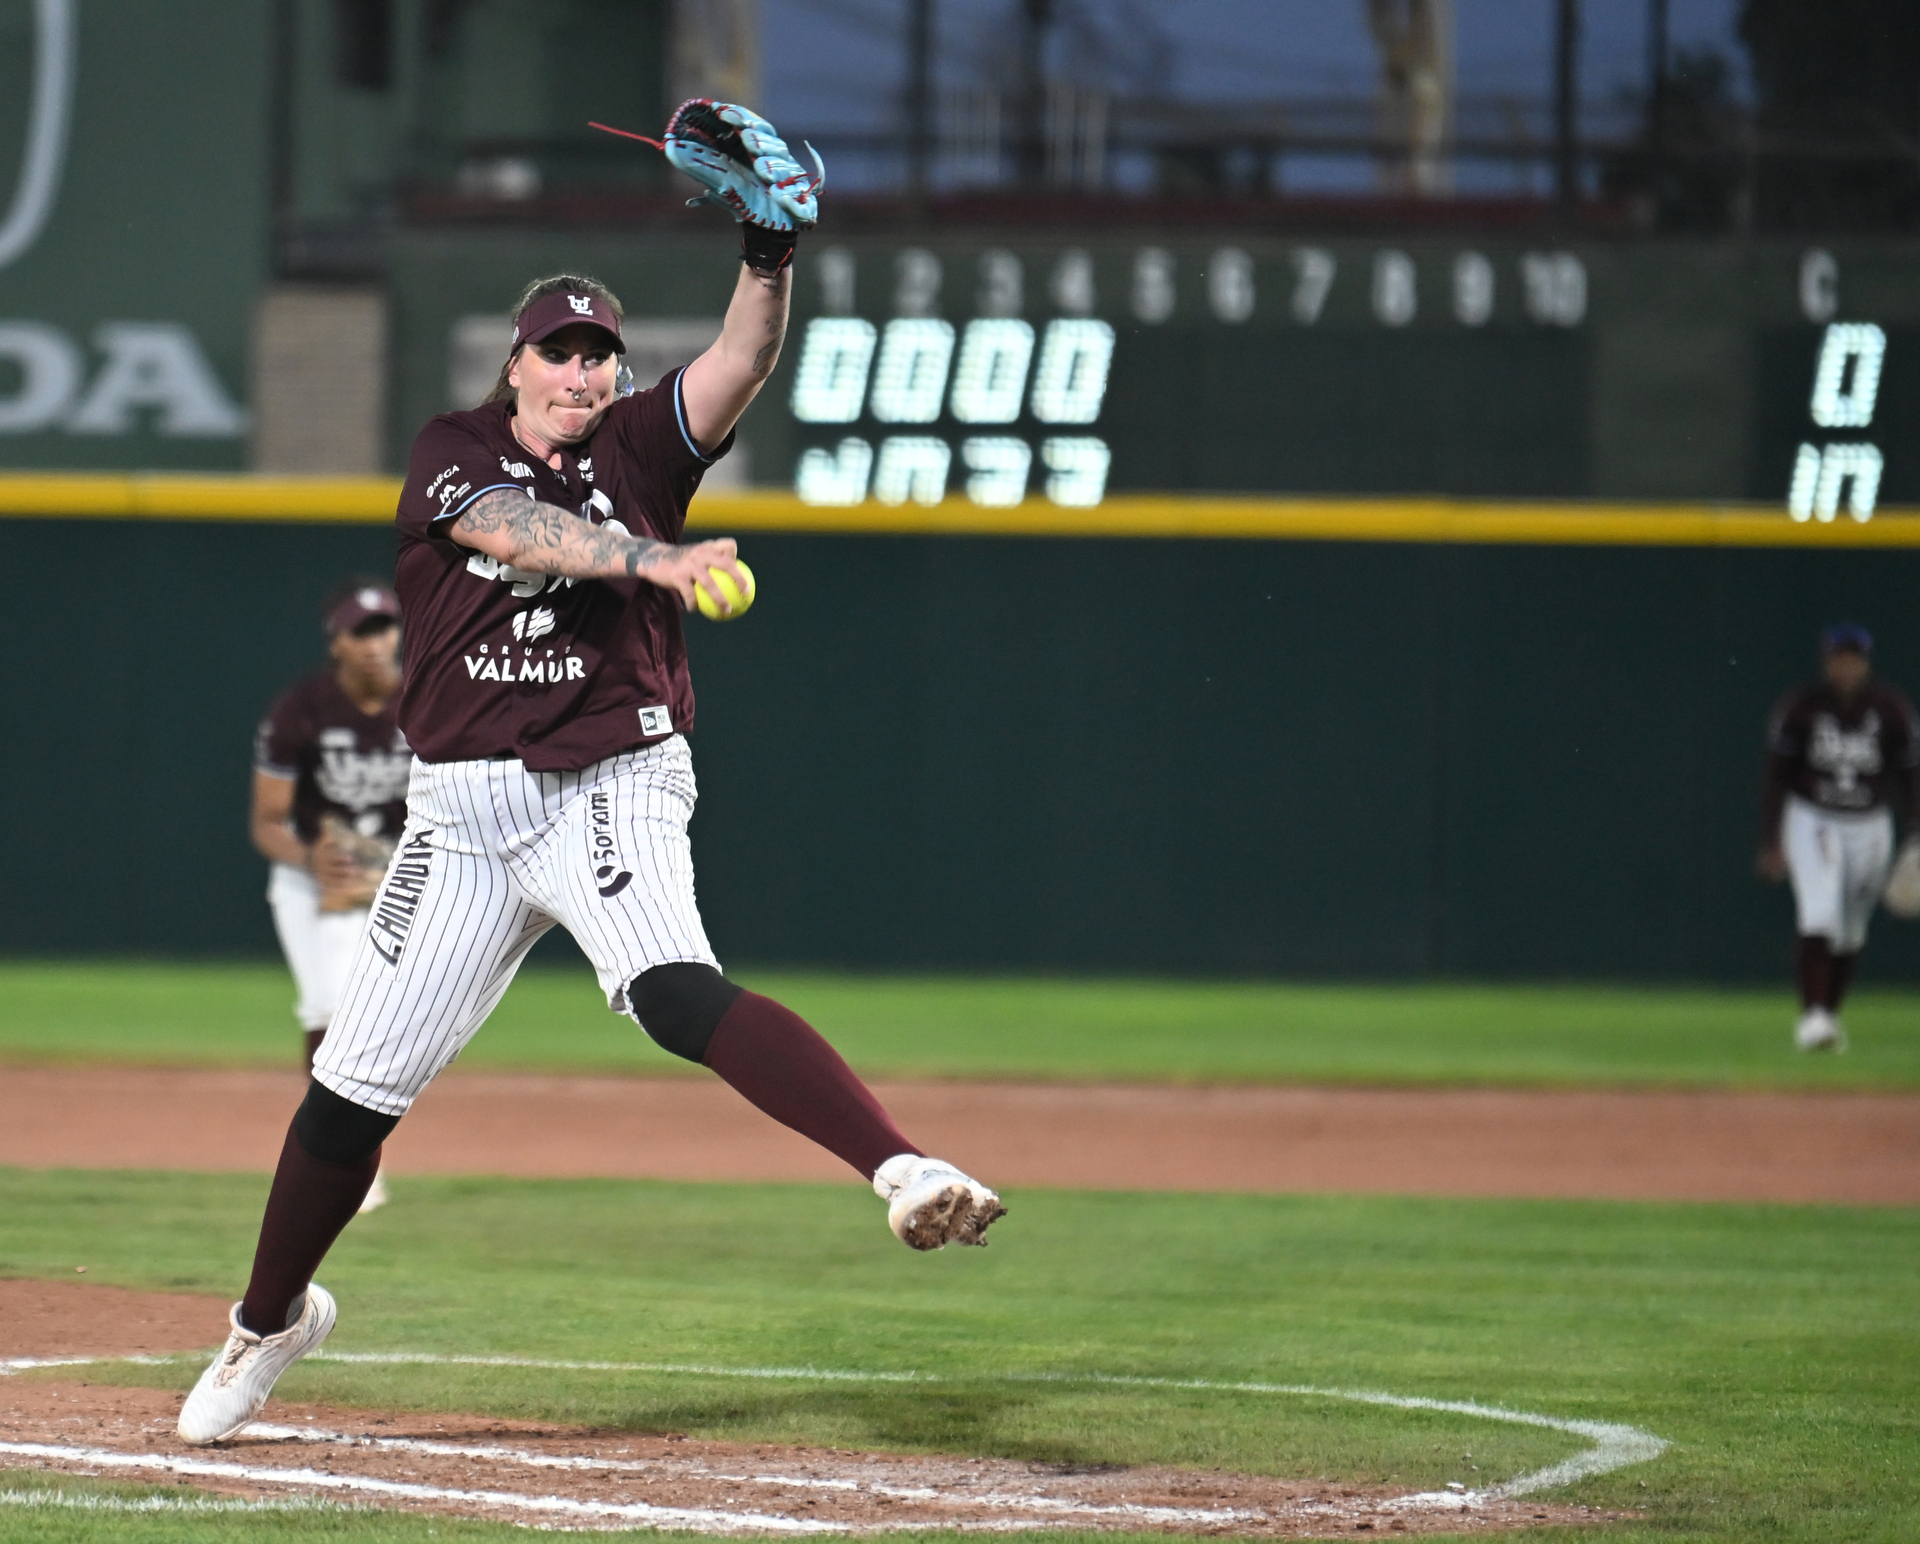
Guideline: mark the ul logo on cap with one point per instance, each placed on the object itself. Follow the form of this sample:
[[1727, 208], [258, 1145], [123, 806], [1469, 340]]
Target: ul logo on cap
[[581, 303]]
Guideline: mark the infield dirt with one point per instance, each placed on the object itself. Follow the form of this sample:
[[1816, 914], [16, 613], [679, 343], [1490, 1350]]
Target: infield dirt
[[1861, 1149]]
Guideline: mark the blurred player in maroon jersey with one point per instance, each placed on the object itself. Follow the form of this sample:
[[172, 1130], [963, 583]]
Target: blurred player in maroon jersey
[[547, 700], [330, 770], [1840, 752]]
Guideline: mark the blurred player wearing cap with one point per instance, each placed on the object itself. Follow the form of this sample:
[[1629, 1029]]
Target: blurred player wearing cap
[[546, 697], [330, 769], [1840, 751]]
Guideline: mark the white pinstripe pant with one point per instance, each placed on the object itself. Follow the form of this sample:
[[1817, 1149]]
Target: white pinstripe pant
[[493, 855]]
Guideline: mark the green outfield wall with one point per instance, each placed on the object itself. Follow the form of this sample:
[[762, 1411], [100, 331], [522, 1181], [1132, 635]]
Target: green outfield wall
[[1512, 758]]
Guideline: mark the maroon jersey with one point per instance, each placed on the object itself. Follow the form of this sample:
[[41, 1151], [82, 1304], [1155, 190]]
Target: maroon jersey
[[559, 672], [1847, 757], [342, 761]]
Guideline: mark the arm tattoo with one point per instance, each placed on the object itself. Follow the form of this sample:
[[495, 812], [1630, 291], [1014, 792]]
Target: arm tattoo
[[545, 539], [770, 350], [490, 511]]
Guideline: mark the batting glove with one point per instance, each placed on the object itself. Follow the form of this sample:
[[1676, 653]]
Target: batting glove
[[746, 166]]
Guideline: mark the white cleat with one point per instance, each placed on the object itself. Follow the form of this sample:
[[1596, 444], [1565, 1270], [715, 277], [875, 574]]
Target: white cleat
[[1819, 1030], [231, 1391], [377, 1196], [931, 1204]]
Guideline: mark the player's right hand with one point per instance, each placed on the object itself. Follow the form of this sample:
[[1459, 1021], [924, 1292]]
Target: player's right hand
[[685, 571], [1771, 865]]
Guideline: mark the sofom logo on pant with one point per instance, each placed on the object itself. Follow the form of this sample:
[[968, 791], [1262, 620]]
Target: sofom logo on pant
[[609, 875], [399, 899]]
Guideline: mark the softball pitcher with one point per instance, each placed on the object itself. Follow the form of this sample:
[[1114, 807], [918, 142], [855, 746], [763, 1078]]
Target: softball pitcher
[[547, 700]]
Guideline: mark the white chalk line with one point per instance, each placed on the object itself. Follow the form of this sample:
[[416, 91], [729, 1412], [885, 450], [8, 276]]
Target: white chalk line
[[1056, 1513], [698, 1518], [1000, 1499], [1615, 1445]]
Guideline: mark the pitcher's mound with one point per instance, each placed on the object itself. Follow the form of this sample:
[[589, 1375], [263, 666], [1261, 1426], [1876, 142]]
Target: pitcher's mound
[[546, 1475]]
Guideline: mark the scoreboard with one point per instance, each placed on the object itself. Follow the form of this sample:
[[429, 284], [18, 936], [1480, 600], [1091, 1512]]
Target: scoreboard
[[997, 372], [1065, 366]]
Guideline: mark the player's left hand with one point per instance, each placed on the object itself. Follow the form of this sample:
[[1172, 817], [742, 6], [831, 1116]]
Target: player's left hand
[[685, 571], [744, 164]]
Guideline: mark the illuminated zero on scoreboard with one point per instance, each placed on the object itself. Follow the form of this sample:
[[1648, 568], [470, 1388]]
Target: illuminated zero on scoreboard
[[908, 372]]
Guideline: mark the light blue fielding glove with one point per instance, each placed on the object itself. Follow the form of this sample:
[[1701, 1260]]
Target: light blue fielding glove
[[746, 166]]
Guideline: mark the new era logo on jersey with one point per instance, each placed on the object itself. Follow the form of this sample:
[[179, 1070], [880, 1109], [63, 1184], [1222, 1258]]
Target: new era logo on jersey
[[529, 625], [655, 721], [581, 303]]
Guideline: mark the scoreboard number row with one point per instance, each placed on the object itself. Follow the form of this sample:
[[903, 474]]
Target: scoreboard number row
[[917, 467], [838, 374]]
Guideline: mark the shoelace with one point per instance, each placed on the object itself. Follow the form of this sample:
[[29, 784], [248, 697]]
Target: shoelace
[[237, 1352]]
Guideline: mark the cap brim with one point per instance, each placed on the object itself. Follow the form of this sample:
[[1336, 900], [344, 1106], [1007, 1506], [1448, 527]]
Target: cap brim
[[360, 619], [563, 323]]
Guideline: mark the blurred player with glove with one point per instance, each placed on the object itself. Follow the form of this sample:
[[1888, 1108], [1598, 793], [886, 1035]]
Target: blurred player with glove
[[1840, 751], [330, 773], [330, 769]]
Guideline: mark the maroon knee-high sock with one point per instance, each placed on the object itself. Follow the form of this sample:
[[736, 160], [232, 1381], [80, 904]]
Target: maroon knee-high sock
[[310, 1203], [1839, 978], [1814, 966], [778, 1061]]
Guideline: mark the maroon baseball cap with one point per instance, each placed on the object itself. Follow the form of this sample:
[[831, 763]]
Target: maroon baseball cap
[[550, 313], [361, 605]]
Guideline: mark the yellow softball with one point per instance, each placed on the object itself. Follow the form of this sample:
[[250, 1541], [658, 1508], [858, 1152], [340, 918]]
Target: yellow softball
[[723, 582]]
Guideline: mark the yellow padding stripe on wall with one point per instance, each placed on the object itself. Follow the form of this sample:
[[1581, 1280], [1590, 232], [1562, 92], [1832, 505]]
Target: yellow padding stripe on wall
[[370, 500]]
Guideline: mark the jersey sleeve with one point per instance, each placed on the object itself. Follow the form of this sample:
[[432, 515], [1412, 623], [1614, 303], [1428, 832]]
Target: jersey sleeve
[[663, 460], [1902, 738], [1787, 727], [450, 467], [1786, 744], [277, 740]]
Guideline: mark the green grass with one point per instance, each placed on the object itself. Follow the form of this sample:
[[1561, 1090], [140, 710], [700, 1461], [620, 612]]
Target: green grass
[[1153, 1031], [1778, 1348]]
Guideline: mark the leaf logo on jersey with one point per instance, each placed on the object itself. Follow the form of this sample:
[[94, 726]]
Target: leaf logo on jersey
[[610, 875], [529, 625]]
